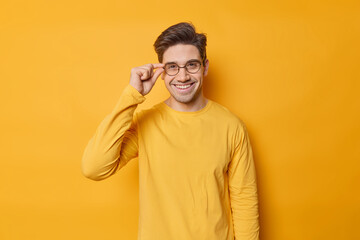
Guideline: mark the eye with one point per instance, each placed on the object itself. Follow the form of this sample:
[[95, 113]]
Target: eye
[[171, 66], [193, 65]]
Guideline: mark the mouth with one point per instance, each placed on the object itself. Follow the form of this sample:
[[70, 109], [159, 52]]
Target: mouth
[[184, 88]]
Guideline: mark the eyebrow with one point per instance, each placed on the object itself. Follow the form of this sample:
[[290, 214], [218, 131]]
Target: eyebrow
[[191, 60]]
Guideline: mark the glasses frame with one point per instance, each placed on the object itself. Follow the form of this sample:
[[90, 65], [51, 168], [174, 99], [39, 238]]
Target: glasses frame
[[178, 70]]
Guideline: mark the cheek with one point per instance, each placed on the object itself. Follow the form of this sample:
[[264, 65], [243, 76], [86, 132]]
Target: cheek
[[167, 82], [167, 79], [199, 77]]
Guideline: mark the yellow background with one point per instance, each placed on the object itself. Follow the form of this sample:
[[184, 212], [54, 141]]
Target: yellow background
[[289, 69]]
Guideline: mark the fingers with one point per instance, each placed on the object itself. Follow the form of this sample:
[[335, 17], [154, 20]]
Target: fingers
[[156, 74], [147, 71], [144, 77], [158, 65]]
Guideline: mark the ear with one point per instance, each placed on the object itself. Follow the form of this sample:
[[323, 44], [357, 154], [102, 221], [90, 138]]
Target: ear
[[163, 75], [206, 67]]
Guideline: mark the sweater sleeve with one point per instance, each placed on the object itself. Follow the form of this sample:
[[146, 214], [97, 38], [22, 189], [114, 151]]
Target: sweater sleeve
[[115, 141], [243, 189]]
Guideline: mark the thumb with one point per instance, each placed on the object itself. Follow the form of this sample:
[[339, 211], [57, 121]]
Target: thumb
[[156, 74]]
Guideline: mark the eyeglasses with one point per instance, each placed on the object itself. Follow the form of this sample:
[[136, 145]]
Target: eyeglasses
[[192, 66]]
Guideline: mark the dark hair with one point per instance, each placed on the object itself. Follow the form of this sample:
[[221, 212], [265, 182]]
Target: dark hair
[[181, 33]]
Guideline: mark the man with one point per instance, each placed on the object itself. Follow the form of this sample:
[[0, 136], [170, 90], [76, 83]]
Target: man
[[196, 171]]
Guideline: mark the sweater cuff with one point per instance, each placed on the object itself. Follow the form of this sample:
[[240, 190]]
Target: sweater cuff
[[131, 91], [129, 97]]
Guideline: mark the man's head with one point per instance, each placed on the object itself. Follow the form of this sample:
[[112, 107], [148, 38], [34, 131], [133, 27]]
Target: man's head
[[180, 47], [181, 33]]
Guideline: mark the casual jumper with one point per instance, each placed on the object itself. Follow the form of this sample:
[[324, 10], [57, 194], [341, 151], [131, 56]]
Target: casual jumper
[[197, 177]]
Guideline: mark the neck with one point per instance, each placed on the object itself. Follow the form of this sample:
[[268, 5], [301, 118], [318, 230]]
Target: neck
[[192, 106]]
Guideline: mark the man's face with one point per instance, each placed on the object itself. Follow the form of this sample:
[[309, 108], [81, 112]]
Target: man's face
[[184, 87]]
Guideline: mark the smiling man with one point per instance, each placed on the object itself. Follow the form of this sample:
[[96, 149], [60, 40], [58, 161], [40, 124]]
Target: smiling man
[[197, 176]]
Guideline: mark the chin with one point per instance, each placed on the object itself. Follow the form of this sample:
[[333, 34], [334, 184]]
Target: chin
[[183, 99]]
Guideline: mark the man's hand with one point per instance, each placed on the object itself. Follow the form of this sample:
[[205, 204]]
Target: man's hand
[[143, 78]]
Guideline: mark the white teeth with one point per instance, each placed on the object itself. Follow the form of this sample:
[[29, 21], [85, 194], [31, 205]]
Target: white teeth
[[183, 86]]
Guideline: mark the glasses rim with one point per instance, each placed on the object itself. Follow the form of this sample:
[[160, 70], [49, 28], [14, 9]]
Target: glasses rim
[[178, 67]]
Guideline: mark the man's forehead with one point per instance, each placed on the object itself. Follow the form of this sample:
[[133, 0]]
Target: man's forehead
[[181, 53]]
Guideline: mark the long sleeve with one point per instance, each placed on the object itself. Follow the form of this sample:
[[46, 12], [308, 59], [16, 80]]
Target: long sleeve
[[115, 140], [243, 189]]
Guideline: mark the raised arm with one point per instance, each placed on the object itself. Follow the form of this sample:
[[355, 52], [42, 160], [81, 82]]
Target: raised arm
[[243, 189], [115, 141]]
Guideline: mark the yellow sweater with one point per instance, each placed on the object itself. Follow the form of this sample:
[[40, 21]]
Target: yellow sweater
[[197, 177]]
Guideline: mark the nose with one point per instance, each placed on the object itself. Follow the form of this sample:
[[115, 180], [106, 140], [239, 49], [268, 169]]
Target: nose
[[183, 75]]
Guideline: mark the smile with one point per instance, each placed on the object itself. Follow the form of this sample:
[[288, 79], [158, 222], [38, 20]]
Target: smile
[[184, 88]]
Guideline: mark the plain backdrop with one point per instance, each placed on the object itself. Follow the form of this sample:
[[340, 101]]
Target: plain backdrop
[[288, 69]]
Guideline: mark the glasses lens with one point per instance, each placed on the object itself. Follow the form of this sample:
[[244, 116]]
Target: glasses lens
[[171, 69], [193, 66]]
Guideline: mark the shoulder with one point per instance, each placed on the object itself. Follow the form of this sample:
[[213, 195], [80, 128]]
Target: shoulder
[[224, 114], [234, 125]]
